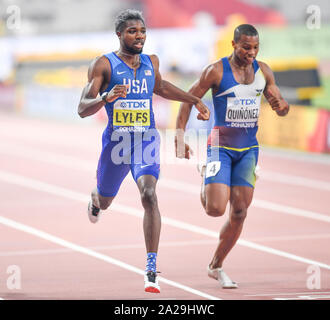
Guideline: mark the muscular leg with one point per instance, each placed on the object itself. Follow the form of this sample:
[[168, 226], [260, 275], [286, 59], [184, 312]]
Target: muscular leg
[[240, 200], [99, 201], [214, 197], [151, 219]]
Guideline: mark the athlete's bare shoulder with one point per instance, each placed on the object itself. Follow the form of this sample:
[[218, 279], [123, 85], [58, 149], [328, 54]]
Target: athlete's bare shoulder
[[266, 70], [212, 74], [217, 67], [100, 67], [264, 67], [154, 60]]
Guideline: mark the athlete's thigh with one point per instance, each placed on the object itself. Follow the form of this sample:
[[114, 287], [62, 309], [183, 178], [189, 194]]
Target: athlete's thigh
[[110, 174], [216, 197], [217, 178], [146, 155], [243, 169], [241, 197]]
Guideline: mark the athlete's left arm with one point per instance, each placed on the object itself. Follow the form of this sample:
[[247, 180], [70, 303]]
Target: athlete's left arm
[[272, 92], [169, 91]]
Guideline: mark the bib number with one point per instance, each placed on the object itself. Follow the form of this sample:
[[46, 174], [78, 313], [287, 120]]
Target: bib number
[[212, 168], [243, 112], [131, 113]]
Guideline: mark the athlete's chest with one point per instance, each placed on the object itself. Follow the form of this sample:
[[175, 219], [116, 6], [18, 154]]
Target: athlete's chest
[[139, 82], [245, 76], [238, 104], [253, 89]]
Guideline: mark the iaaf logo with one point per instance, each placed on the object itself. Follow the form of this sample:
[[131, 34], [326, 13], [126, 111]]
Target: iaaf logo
[[132, 104], [245, 102]]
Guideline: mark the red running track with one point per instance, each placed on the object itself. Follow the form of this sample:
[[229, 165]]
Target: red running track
[[49, 249]]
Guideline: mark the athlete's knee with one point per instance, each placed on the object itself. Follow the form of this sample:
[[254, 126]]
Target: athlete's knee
[[238, 215], [214, 209], [148, 197]]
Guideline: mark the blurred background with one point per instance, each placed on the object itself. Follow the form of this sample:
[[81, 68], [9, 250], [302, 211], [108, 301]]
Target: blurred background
[[46, 48]]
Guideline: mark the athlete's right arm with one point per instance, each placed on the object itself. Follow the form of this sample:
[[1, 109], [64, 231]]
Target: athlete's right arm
[[210, 78], [99, 76]]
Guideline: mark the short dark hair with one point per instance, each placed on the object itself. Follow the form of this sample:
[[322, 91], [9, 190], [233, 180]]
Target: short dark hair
[[247, 29], [128, 14]]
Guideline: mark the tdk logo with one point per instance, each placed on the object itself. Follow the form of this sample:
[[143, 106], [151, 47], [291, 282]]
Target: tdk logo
[[134, 105], [247, 102], [143, 104]]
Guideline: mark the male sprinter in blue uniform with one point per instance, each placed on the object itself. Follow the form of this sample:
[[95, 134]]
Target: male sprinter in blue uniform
[[237, 83], [126, 80]]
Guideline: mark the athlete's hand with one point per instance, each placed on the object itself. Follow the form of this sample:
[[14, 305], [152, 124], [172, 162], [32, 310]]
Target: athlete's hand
[[119, 90], [283, 110], [278, 104], [182, 149], [204, 112]]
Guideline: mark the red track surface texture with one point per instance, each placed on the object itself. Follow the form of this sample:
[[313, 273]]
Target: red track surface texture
[[49, 249]]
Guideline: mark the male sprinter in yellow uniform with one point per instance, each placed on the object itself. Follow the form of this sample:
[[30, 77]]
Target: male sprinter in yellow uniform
[[126, 80], [237, 83]]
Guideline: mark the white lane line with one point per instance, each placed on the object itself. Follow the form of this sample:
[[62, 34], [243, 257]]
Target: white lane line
[[70, 245], [296, 155], [72, 195], [268, 205], [163, 244], [294, 180], [282, 254], [53, 137], [304, 298], [292, 238], [286, 294], [47, 157], [75, 163]]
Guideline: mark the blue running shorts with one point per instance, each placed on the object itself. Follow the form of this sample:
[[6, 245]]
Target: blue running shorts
[[233, 167], [122, 152]]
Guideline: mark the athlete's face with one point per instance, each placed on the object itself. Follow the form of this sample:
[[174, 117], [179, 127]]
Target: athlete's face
[[246, 49], [132, 38]]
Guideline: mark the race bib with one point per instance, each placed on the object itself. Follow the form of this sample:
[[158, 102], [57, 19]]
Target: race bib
[[131, 113], [242, 111], [212, 168]]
